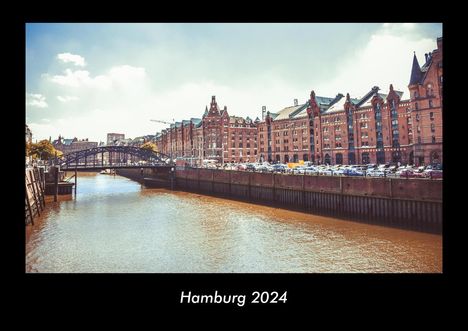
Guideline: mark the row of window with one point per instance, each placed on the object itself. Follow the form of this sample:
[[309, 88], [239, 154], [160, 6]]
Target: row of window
[[286, 125], [241, 145]]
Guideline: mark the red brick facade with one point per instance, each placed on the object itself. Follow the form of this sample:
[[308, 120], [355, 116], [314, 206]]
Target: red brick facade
[[216, 136], [377, 128]]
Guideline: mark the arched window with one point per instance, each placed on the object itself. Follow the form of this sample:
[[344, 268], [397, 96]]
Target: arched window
[[295, 158], [380, 157], [278, 159], [435, 158], [286, 159], [339, 158], [396, 157], [411, 158], [365, 158], [305, 157], [351, 158], [327, 159]]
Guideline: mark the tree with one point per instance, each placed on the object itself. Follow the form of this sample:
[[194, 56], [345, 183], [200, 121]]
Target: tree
[[43, 150], [150, 146]]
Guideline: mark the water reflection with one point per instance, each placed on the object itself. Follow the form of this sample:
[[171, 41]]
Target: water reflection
[[115, 225]]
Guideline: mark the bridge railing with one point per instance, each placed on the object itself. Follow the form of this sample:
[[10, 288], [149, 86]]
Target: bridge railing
[[110, 165]]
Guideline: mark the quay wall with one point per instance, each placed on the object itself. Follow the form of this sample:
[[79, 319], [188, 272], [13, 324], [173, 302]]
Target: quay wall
[[412, 204]]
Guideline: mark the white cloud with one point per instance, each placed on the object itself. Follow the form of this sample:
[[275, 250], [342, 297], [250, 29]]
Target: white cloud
[[124, 75], [73, 58], [36, 100], [79, 78], [67, 98], [386, 59]]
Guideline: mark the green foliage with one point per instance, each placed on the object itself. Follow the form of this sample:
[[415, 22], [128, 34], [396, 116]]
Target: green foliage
[[149, 145], [43, 150]]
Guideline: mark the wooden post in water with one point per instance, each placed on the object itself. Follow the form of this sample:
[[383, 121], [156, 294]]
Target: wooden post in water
[[76, 179], [37, 186], [40, 192], [31, 216], [172, 177], [56, 180], [36, 200]]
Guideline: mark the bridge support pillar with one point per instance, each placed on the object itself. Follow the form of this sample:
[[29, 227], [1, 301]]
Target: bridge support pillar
[[56, 181]]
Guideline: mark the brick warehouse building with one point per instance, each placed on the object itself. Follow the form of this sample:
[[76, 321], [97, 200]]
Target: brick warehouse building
[[377, 128], [217, 136]]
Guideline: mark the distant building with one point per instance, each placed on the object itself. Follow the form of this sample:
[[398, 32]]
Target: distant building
[[112, 138], [72, 145]]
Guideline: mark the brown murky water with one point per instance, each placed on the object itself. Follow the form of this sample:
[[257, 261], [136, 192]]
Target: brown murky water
[[115, 225]]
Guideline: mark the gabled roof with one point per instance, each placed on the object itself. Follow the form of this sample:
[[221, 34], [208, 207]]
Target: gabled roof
[[338, 105], [300, 112], [368, 103], [285, 112], [367, 97], [425, 68], [322, 102], [196, 121]]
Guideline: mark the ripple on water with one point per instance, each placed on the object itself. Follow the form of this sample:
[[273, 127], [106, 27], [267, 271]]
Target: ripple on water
[[115, 225]]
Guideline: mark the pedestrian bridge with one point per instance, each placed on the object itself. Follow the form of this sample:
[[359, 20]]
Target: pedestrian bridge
[[115, 157]]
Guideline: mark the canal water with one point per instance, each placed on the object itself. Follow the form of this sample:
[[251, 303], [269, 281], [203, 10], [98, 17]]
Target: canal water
[[115, 225]]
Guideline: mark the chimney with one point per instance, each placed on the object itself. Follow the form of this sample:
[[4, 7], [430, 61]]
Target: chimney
[[295, 102], [426, 56], [263, 112], [213, 99]]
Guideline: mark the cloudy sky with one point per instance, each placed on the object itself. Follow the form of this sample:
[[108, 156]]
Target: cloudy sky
[[85, 80]]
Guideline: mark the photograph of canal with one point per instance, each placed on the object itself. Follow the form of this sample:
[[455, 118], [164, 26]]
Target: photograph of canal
[[132, 167]]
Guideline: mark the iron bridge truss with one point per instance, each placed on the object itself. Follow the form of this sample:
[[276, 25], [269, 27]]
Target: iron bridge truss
[[80, 159]]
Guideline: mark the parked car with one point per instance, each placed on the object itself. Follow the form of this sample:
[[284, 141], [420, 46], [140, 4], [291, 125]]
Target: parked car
[[279, 167], [352, 172], [310, 171], [431, 173], [406, 173], [375, 173], [250, 167], [325, 172], [299, 170]]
